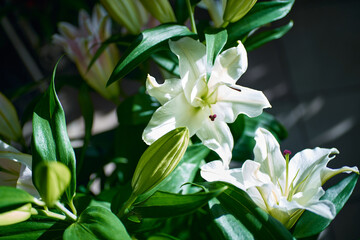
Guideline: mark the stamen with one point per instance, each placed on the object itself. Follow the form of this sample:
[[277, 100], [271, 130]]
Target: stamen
[[212, 117]]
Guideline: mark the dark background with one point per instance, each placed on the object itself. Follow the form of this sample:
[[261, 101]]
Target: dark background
[[311, 77]]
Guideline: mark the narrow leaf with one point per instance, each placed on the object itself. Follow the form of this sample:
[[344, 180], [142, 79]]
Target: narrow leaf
[[147, 43], [261, 14], [165, 204], [260, 39], [50, 141], [311, 224], [12, 198], [215, 41]]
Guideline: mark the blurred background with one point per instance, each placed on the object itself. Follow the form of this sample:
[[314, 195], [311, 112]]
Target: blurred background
[[311, 77]]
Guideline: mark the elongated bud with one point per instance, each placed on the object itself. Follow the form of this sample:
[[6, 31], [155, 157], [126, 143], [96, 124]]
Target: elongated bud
[[160, 9], [159, 160], [15, 216], [128, 13], [52, 178], [9, 121], [236, 9]]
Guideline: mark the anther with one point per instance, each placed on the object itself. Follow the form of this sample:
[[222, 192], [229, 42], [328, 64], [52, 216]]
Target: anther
[[287, 152], [212, 117]]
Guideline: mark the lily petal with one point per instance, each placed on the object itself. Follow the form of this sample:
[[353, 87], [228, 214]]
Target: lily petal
[[216, 135], [175, 113], [229, 66], [163, 92], [267, 153], [192, 63], [231, 101]]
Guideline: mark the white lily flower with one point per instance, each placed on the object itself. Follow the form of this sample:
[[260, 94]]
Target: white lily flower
[[203, 107], [15, 169], [283, 188]]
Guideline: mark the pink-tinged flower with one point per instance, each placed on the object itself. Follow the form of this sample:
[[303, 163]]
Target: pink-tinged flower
[[81, 44], [284, 188]]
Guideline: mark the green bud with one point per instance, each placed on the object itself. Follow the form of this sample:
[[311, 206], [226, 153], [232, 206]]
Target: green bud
[[236, 9], [128, 13], [159, 160], [160, 9], [52, 178], [15, 216]]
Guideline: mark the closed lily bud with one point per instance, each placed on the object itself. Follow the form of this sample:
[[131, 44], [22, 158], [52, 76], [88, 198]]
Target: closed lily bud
[[128, 13], [81, 43], [160, 9], [236, 9], [9, 121], [52, 178], [15, 216], [159, 160]]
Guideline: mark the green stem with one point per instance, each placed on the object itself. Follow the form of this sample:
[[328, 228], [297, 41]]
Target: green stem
[[191, 13], [69, 214], [125, 208]]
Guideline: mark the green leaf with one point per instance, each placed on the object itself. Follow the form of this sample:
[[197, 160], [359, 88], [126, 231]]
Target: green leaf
[[147, 43], [260, 39], [12, 198], [168, 61], [311, 224], [256, 220], [165, 204], [230, 226], [215, 41], [261, 14], [96, 223], [34, 228], [243, 130], [50, 141]]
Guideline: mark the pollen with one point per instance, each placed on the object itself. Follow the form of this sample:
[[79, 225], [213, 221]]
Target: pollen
[[212, 117]]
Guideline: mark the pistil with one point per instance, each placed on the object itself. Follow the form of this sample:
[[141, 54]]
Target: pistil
[[287, 154]]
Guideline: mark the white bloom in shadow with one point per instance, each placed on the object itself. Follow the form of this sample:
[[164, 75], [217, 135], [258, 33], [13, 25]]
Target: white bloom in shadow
[[284, 188], [204, 107]]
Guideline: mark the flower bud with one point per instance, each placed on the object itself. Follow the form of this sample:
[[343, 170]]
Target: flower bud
[[160, 9], [159, 160], [51, 180], [128, 13], [15, 216], [236, 9], [9, 121]]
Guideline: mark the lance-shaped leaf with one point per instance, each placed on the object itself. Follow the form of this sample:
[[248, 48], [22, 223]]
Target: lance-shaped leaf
[[311, 224], [256, 220], [12, 198], [165, 204], [50, 141], [215, 41], [9, 121], [262, 13], [260, 39], [96, 223], [147, 43]]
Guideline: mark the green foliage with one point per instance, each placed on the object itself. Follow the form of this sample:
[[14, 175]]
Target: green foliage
[[50, 141], [12, 198], [96, 223], [148, 42]]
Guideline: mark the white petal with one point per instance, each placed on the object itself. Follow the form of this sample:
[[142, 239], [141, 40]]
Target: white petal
[[216, 171], [252, 175], [309, 164], [163, 92], [216, 135], [267, 153], [231, 102], [229, 65], [175, 113], [328, 173], [192, 63]]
